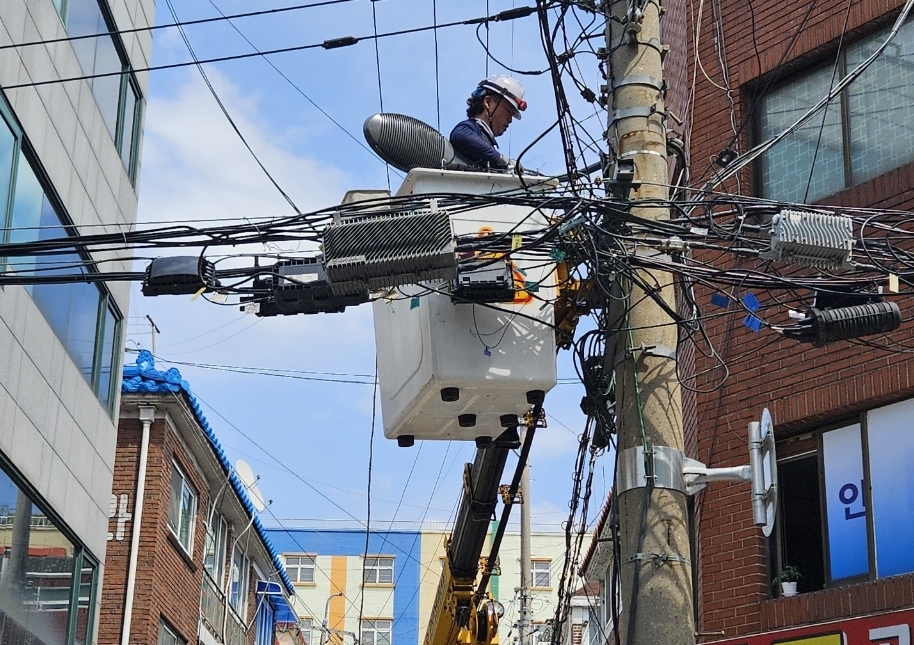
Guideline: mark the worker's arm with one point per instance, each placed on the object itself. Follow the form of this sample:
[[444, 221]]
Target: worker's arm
[[473, 147]]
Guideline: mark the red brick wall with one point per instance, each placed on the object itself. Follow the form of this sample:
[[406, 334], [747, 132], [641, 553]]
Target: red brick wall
[[168, 582], [115, 577], [801, 385]]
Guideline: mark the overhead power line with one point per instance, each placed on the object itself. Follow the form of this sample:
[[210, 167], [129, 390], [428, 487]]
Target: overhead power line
[[333, 43], [187, 23]]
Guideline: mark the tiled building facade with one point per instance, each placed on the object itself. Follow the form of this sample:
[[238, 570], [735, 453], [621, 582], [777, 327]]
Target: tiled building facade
[[68, 164], [399, 582]]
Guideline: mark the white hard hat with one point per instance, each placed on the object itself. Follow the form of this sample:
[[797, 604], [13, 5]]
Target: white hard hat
[[509, 88]]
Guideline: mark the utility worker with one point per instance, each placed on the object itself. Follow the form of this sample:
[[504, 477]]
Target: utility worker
[[490, 108]]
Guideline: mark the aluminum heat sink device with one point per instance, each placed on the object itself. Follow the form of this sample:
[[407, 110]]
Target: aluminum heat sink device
[[811, 239], [377, 252], [406, 143]]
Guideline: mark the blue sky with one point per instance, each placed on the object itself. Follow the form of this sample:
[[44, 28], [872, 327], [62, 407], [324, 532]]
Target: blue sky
[[309, 440]]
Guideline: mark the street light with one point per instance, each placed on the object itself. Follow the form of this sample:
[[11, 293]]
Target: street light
[[324, 628]]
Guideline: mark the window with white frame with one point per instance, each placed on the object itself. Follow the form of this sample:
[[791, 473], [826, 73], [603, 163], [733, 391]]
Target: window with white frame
[[864, 133], [182, 508], [376, 632], [167, 636], [300, 568], [238, 589], [305, 626], [845, 513], [214, 555], [539, 573], [378, 571]]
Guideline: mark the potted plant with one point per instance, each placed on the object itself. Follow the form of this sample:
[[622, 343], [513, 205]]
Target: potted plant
[[787, 577]]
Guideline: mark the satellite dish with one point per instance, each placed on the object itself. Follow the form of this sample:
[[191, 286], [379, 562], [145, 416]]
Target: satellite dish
[[249, 480], [406, 143]]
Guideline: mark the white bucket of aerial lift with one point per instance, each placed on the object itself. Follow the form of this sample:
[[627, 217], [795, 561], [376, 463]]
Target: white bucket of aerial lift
[[492, 356]]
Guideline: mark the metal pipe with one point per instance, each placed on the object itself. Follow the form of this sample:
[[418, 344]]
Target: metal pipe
[[525, 624], [147, 416], [324, 628]]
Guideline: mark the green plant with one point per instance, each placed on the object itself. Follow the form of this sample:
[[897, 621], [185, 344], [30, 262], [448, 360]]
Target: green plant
[[787, 574]]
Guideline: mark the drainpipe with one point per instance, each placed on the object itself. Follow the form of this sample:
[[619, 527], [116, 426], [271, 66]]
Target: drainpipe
[[147, 416]]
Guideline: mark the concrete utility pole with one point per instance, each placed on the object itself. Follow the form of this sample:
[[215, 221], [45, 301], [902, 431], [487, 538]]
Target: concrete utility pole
[[656, 572], [525, 623], [155, 330]]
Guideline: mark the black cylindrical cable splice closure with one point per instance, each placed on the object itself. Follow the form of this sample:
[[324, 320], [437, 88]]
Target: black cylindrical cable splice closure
[[830, 325]]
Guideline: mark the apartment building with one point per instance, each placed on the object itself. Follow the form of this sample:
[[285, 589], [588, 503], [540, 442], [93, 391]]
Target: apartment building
[[188, 559], [398, 576], [68, 165], [841, 412]]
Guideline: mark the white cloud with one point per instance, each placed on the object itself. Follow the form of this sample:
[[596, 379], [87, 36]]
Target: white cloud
[[196, 167]]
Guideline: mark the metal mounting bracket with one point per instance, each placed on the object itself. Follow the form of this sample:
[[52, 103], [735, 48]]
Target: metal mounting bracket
[[670, 468]]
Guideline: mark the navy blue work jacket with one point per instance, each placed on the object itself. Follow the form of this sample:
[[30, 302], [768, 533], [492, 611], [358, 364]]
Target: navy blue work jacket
[[473, 143]]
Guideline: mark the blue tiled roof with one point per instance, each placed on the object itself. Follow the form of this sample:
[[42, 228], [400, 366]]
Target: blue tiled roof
[[143, 377]]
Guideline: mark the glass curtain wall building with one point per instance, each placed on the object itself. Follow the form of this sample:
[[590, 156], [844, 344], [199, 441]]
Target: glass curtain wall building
[[69, 156]]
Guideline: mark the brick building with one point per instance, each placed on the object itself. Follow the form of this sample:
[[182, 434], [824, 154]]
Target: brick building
[[68, 165], [840, 412], [200, 569]]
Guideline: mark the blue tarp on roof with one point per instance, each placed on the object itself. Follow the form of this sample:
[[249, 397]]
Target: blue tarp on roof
[[143, 377]]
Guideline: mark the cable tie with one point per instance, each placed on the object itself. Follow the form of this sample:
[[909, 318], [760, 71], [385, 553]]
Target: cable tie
[[335, 43]]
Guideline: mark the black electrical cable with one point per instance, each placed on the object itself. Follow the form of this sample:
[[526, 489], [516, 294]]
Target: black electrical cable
[[201, 21], [298, 89], [225, 112], [333, 43]]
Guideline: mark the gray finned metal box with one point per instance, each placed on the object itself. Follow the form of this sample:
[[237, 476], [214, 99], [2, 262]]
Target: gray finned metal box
[[811, 239], [381, 251]]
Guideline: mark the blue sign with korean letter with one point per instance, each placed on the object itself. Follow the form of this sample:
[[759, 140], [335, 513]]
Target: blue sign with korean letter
[[845, 504]]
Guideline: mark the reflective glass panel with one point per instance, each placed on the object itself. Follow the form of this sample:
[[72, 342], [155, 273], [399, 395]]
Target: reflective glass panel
[[36, 571], [61, 6], [28, 198], [84, 18], [131, 107], [7, 149], [109, 349], [881, 105], [97, 56], [812, 156], [82, 323], [107, 89], [85, 601]]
